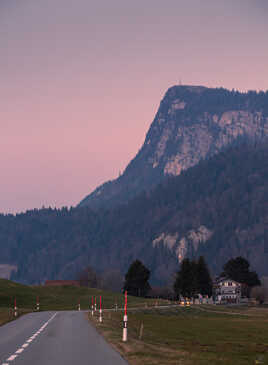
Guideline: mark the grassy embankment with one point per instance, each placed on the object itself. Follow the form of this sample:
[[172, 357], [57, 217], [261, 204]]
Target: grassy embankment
[[190, 336], [55, 298]]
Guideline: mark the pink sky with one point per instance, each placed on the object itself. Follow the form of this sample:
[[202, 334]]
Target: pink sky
[[81, 82]]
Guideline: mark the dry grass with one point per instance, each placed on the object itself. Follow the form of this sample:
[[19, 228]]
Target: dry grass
[[7, 314], [190, 336], [62, 297]]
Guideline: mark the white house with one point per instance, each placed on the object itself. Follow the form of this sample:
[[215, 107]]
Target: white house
[[227, 291]]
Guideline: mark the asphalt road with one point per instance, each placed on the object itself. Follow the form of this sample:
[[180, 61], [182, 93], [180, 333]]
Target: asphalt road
[[48, 338]]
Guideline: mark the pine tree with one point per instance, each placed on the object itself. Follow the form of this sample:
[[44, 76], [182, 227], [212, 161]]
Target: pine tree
[[137, 279], [193, 278], [204, 281], [185, 282]]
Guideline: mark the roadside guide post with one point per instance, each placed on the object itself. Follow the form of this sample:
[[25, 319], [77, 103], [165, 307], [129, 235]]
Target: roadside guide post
[[37, 304], [79, 307], [95, 304], [15, 308], [125, 320], [100, 311], [92, 307]]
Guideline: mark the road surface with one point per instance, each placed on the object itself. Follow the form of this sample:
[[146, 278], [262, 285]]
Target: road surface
[[54, 338]]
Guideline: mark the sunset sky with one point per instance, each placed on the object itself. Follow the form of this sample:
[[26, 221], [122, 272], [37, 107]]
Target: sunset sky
[[81, 81]]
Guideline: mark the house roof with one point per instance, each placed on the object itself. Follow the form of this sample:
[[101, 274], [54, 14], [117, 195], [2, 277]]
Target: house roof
[[220, 280]]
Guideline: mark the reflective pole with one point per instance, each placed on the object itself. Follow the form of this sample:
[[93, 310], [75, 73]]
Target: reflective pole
[[125, 320], [15, 308], [92, 307], [100, 311], [37, 303], [79, 307]]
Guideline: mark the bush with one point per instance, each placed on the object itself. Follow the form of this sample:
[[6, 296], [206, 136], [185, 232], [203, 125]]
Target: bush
[[259, 293]]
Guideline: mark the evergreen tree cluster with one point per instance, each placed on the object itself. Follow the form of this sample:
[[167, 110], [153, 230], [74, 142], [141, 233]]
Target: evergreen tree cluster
[[137, 279], [219, 100], [193, 278]]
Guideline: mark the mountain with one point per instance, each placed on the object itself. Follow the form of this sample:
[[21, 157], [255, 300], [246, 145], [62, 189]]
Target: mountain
[[218, 208], [192, 123], [197, 186]]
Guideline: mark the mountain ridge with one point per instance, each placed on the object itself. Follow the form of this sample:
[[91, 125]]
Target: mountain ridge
[[192, 123]]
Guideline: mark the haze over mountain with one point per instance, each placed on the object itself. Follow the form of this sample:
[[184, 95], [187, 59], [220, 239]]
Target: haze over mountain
[[191, 124]]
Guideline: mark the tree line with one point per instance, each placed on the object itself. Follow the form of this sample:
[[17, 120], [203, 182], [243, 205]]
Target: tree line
[[192, 278]]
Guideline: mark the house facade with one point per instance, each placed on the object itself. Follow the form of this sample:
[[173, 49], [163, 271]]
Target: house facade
[[227, 291]]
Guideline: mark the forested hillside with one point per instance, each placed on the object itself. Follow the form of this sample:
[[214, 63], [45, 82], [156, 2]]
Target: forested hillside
[[218, 209]]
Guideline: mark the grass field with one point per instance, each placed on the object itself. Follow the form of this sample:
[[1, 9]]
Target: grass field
[[172, 336], [190, 336], [56, 298], [7, 314]]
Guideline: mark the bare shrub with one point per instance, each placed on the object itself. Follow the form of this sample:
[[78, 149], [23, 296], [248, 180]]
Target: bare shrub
[[111, 280], [88, 277], [259, 293]]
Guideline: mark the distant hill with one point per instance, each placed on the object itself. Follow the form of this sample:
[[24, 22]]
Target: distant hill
[[218, 208], [192, 123], [56, 297]]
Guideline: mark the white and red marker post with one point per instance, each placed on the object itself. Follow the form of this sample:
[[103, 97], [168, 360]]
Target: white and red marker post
[[15, 308], [37, 304], [95, 304], [100, 311], [125, 320], [92, 306], [79, 306]]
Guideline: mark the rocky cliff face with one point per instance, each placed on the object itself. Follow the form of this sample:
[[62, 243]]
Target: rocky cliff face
[[187, 245], [192, 123]]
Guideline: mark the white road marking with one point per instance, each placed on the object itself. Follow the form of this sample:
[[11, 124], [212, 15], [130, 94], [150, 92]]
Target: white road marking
[[19, 351], [26, 344], [11, 358]]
